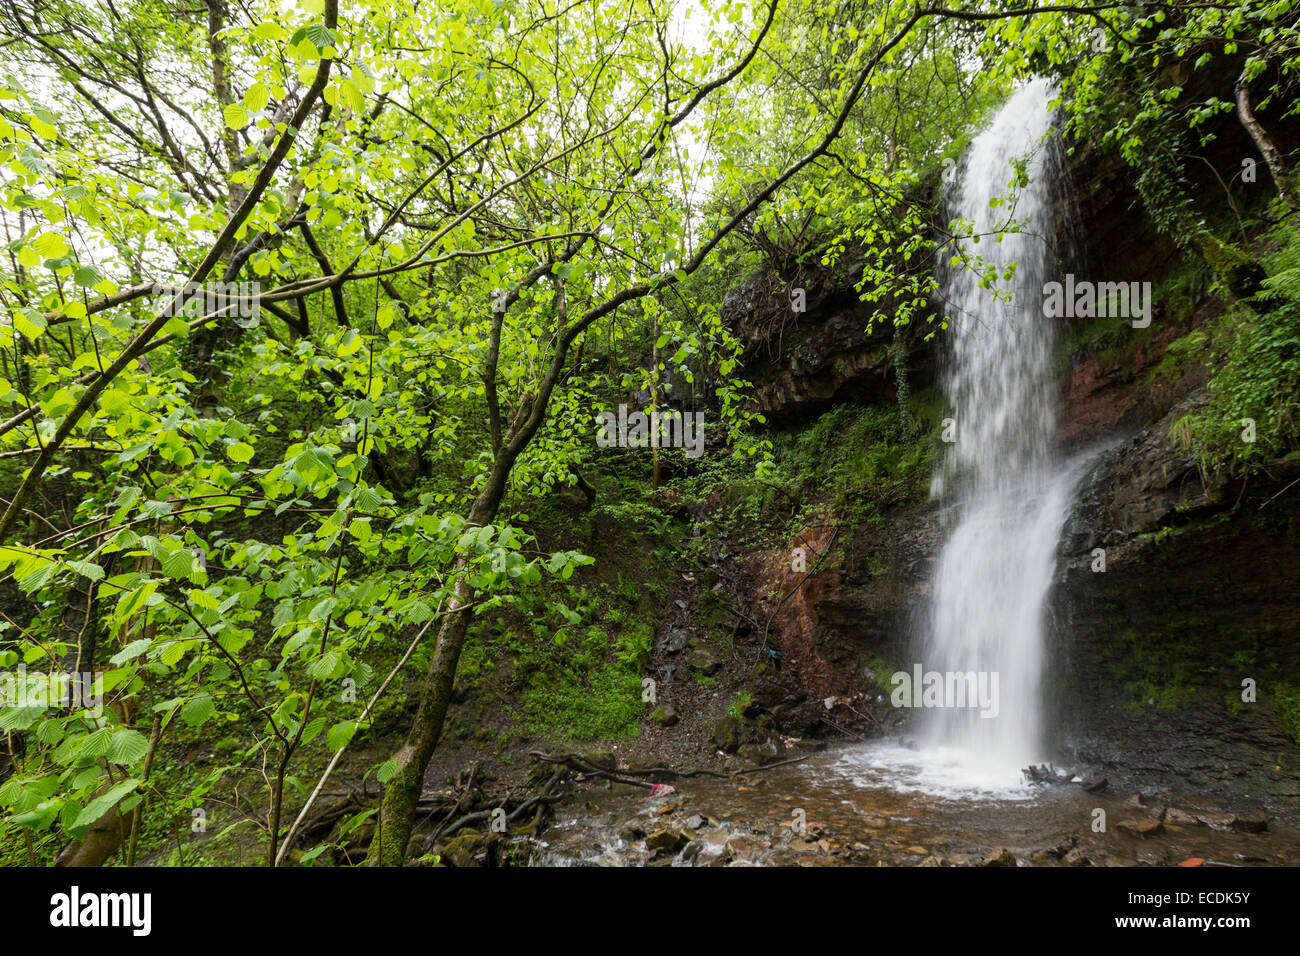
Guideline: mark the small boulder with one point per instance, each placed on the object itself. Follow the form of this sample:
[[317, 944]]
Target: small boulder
[[1252, 821], [763, 746], [1094, 783], [665, 715], [1216, 821], [727, 734], [1141, 828], [1180, 818], [666, 839], [467, 848], [999, 857], [703, 659], [675, 641]]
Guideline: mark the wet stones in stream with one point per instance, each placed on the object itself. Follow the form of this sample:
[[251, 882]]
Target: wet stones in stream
[[1050, 775], [781, 817]]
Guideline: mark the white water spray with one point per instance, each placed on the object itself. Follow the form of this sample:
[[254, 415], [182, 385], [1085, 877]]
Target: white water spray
[[1009, 497]]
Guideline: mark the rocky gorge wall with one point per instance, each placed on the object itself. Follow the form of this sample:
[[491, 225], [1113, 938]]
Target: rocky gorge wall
[[1147, 657]]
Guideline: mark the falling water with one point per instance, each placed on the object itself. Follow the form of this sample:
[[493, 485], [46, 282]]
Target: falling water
[[1008, 496]]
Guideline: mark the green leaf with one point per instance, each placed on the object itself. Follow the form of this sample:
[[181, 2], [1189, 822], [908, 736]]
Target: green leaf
[[179, 564], [29, 322], [87, 569], [235, 116], [50, 245], [241, 452], [198, 710], [40, 817], [101, 805], [127, 746], [132, 650], [257, 97], [340, 734]]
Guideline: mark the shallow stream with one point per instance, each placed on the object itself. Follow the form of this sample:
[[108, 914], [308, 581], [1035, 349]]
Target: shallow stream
[[882, 804]]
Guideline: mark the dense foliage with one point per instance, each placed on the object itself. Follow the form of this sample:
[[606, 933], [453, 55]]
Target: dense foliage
[[447, 238]]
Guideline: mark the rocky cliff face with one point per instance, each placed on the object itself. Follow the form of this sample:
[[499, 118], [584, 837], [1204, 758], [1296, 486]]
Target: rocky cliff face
[[1198, 601], [1176, 613], [802, 362]]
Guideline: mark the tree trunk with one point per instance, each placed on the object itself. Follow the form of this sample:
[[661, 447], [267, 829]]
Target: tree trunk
[[397, 812], [1267, 148]]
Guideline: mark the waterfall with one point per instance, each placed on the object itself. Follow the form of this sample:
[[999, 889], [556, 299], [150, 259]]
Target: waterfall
[[1002, 487]]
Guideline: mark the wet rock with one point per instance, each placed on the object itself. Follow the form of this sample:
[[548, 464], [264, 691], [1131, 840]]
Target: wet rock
[[691, 851], [1180, 818], [694, 821], [763, 746], [1141, 828], [798, 718], [1145, 503], [1252, 821], [666, 839], [999, 857], [740, 849], [631, 834], [931, 861], [755, 740], [1215, 820], [1046, 773], [875, 823], [665, 715], [1093, 783], [727, 734], [1076, 857], [770, 691], [713, 839]]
